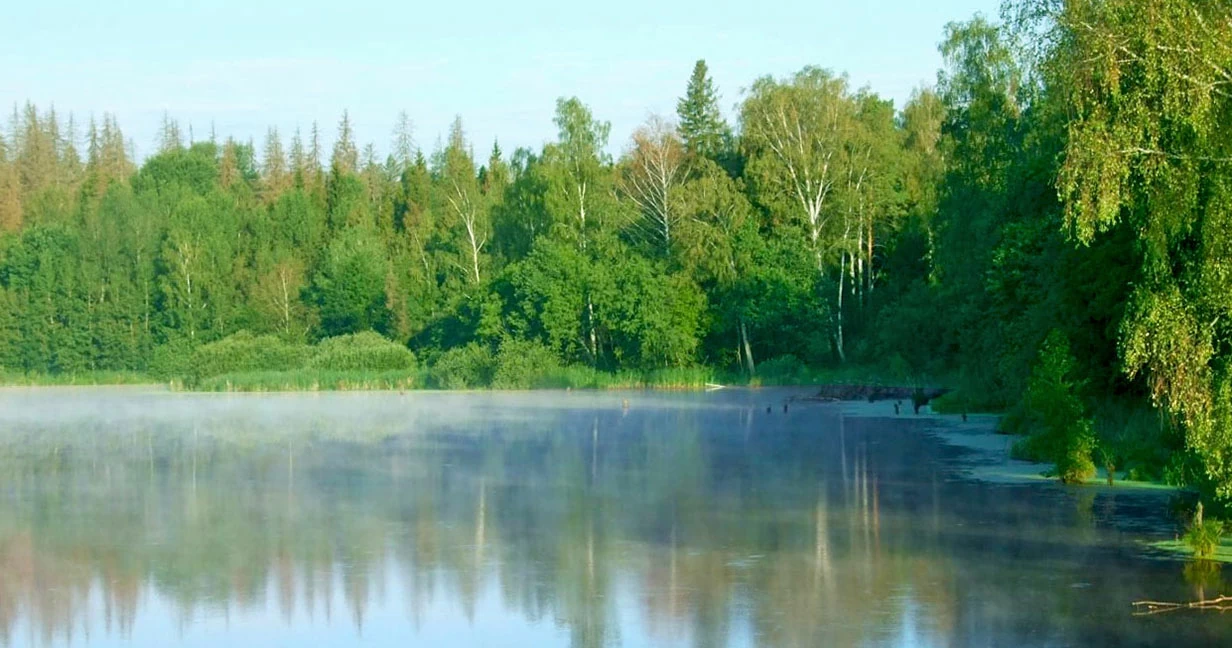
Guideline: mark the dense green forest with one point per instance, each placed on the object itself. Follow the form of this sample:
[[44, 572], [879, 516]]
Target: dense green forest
[[1049, 228]]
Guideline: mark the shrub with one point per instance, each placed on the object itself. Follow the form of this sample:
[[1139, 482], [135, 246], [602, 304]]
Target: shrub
[[782, 370], [365, 351], [523, 364], [1062, 431], [467, 367], [242, 352], [1204, 535], [171, 360]]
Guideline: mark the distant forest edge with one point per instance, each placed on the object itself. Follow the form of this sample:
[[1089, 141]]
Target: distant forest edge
[[1048, 228]]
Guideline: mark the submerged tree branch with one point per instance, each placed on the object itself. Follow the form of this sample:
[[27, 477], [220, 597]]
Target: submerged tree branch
[[1145, 608]]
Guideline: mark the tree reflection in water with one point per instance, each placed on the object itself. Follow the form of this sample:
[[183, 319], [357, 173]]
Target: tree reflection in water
[[688, 519]]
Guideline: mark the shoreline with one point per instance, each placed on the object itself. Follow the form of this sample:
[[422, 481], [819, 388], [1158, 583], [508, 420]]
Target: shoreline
[[988, 456]]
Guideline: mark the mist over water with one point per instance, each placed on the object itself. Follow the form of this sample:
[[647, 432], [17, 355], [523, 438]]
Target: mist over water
[[135, 517]]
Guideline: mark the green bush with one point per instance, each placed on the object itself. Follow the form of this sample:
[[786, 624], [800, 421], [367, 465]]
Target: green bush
[[523, 364], [1204, 535], [365, 351], [782, 370], [468, 367], [242, 352], [171, 360], [1061, 430], [309, 380]]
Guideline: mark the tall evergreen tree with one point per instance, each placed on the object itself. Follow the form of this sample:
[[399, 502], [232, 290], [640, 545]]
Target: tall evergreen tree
[[10, 192], [275, 176], [345, 158], [702, 127]]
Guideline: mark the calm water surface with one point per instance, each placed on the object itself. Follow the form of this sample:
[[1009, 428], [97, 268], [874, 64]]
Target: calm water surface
[[134, 518]]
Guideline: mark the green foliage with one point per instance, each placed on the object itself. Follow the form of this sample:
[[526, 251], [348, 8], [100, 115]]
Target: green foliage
[[523, 364], [1060, 430], [242, 352], [1204, 535], [311, 380], [365, 351], [702, 128], [782, 370], [468, 367], [349, 287], [1065, 187]]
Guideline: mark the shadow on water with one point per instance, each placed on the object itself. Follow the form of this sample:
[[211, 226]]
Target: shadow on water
[[547, 519]]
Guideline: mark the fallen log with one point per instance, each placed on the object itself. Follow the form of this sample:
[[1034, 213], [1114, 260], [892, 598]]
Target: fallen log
[[1218, 604], [870, 393]]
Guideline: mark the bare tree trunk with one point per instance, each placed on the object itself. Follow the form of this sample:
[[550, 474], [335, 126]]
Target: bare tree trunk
[[286, 303], [838, 317], [748, 350], [869, 256], [590, 324]]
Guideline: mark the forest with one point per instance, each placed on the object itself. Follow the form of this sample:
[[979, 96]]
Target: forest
[[1047, 228]]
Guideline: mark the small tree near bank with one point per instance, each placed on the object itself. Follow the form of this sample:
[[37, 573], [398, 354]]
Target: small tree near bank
[[1063, 432]]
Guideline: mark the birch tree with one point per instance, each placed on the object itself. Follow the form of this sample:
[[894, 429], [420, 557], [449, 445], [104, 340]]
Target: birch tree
[[795, 132], [460, 188], [580, 194], [1149, 86], [651, 172], [578, 169]]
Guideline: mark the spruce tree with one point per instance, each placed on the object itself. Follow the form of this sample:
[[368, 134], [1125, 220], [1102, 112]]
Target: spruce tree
[[346, 155], [702, 128]]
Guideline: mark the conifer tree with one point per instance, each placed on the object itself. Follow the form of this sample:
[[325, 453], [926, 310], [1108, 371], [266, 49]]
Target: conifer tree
[[702, 127], [345, 158], [169, 138], [10, 193], [274, 174]]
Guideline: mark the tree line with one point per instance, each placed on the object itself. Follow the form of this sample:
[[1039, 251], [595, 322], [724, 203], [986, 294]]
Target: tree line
[[1047, 219], [697, 245]]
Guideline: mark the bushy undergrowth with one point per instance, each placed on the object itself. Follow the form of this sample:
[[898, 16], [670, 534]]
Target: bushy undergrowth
[[790, 370], [468, 367], [243, 352], [311, 380], [1055, 417], [365, 351], [267, 362], [523, 364], [1204, 535], [15, 379]]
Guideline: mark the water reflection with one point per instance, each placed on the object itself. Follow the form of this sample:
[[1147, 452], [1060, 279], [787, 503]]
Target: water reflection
[[542, 520]]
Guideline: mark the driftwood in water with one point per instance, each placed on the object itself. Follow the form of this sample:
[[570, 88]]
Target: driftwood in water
[[873, 393], [1218, 604]]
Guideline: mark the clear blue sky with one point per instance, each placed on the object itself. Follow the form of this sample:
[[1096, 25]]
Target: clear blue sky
[[249, 64]]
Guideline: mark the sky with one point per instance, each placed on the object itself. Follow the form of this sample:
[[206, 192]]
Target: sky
[[246, 65]]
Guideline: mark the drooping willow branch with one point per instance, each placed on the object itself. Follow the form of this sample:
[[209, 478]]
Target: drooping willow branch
[[1218, 604]]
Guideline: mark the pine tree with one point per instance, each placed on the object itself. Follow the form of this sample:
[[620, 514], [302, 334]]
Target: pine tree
[[169, 138], [346, 156], [702, 127], [299, 159], [312, 170], [404, 142], [35, 153], [10, 193], [275, 176], [496, 174], [228, 164], [70, 159]]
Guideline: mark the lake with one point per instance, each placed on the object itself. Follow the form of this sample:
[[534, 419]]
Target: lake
[[134, 517]]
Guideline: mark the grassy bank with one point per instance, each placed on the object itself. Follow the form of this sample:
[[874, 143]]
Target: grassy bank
[[360, 380], [245, 362], [1223, 552], [308, 380], [86, 378]]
